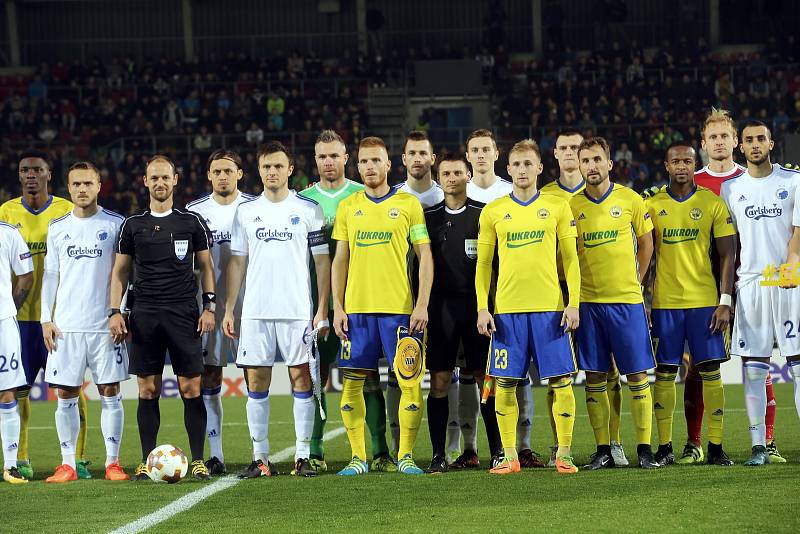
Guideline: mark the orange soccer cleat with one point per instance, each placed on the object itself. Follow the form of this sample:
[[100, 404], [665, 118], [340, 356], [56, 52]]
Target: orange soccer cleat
[[506, 467], [115, 472], [64, 473]]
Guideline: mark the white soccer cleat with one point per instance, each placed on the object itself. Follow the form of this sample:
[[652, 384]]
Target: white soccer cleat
[[618, 454]]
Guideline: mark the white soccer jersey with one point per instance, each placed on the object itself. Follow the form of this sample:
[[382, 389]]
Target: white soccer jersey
[[15, 257], [764, 212], [429, 198], [276, 238], [498, 189], [81, 251]]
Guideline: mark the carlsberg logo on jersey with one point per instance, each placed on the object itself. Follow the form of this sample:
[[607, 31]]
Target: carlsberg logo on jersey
[[78, 252], [267, 234], [672, 236], [221, 237], [523, 239], [761, 212], [596, 239], [369, 239]]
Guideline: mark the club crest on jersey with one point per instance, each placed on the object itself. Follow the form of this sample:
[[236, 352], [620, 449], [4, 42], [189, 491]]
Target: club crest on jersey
[[102, 235], [181, 248], [781, 194], [696, 214], [294, 220], [543, 213], [394, 213], [77, 252], [762, 212], [615, 212]]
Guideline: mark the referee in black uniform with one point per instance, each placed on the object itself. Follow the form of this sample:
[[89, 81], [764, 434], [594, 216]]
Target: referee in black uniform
[[164, 243], [453, 314]]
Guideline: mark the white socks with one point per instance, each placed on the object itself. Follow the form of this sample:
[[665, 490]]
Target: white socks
[[393, 413], [258, 423], [9, 433], [304, 404], [794, 367], [755, 397], [525, 421], [68, 423], [212, 398], [453, 424], [469, 408], [112, 420]]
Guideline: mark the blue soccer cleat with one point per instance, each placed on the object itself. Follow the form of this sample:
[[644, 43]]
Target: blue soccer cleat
[[357, 466], [760, 456], [407, 466]]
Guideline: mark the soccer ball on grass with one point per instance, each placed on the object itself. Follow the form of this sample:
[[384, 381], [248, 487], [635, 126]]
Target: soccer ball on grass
[[167, 463]]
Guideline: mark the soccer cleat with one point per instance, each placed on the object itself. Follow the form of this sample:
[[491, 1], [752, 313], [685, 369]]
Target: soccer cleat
[[64, 473], [646, 459], [506, 467], [497, 459], [318, 465], [215, 466], [383, 463], [553, 456], [438, 465], [618, 453], [115, 472], [199, 470], [716, 456], [302, 468], [82, 469], [357, 466], [600, 460], [467, 460], [25, 468], [140, 473], [692, 454], [407, 466], [529, 458], [774, 455], [257, 468], [664, 455], [565, 464], [13, 476], [760, 456]]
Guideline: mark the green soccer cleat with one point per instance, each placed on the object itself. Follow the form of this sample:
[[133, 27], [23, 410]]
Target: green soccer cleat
[[692, 454], [357, 466], [772, 449], [760, 456], [318, 465], [81, 467], [407, 466], [25, 468], [383, 464]]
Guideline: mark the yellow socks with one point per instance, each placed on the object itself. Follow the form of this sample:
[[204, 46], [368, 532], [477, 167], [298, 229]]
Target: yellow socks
[[642, 410], [24, 403], [664, 405], [614, 389], [410, 416], [550, 397], [507, 410], [563, 412], [353, 410], [599, 411], [714, 401], [83, 410]]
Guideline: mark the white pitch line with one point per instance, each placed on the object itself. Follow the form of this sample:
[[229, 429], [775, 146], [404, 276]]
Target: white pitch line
[[191, 499]]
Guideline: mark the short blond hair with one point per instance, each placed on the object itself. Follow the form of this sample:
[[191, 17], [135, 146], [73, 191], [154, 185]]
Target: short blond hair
[[525, 145], [717, 116]]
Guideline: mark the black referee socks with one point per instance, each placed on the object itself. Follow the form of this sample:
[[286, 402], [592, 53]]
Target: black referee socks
[[490, 423], [148, 416], [194, 418], [437, 423]]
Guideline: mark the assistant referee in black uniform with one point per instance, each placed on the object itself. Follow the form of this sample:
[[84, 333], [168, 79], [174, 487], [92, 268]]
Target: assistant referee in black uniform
[[164, 243], [452, 312]]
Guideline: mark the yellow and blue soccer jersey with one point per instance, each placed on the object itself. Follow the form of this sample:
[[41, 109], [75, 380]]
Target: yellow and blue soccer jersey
[[526, 236], [684, 229], [378, 232], [557, 188], [607, 232], [33, 226]]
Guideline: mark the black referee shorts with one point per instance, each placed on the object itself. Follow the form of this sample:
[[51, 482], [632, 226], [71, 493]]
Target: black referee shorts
[[452, 324], [156, 329]]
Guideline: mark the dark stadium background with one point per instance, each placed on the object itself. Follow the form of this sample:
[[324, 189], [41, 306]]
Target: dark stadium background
[[115, 81]]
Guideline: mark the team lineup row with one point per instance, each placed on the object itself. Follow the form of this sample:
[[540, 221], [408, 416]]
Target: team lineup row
[[531, 268]]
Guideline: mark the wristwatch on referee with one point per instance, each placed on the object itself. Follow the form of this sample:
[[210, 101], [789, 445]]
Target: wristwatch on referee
[[210, 302]]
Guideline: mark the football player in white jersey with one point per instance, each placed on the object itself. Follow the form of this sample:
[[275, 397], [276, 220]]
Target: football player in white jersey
[[763, 203], [15, 257], [271, 238], [482, 154], [218, 208], [81, 248], [418, 159]]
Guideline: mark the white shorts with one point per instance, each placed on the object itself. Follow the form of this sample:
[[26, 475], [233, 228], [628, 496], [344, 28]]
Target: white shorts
[[217, 347], [764, 315], [260, 340], [12, 375], [75, 351]]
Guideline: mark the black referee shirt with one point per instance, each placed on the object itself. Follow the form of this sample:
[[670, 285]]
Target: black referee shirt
[[454, 243], [163, 251]]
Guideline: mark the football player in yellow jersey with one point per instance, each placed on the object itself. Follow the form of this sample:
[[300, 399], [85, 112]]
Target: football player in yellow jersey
[[31, 213], [373, 229], [685, 306], [530, 320], [613, 319]]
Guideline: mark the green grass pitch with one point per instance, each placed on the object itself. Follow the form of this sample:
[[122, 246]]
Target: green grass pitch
[[698, 498]]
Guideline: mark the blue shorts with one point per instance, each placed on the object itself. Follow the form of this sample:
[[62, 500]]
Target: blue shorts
[[618, 329], [537, 336], [673, 328], [371, 336], [34, 351]]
